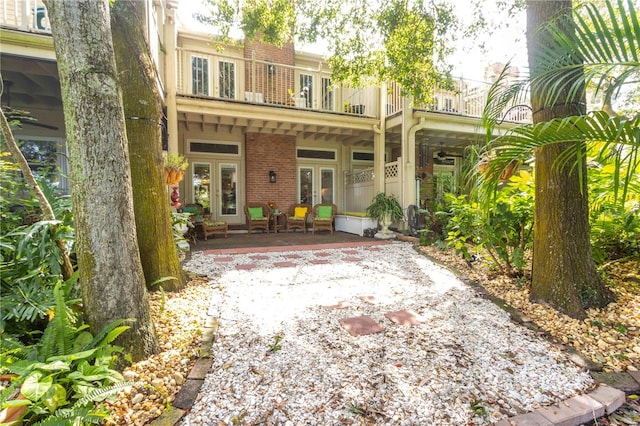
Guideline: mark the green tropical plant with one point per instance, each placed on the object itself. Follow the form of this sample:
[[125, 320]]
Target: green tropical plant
[[504, 232], [31, 260], [607, 42], [382, 205], [64, 376]]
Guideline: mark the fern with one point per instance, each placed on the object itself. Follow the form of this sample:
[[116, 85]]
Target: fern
[[59, 335], [100, 394], [110, 332]]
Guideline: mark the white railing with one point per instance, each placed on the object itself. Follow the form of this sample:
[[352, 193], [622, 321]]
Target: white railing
[[25, 15], [256, 81], [467, 98]]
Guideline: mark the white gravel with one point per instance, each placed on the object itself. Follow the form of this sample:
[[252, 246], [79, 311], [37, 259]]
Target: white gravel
[[467, 363]]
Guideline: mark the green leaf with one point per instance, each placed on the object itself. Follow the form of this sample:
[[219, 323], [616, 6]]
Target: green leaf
[[74, 356], [58, 365], [35, 386], [55, 397]]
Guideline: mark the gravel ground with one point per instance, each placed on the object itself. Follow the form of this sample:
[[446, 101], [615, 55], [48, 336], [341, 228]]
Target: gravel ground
[[282, 357]]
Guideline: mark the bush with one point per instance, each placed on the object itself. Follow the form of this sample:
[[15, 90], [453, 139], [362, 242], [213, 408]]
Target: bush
[[504, 229], [64, 374]]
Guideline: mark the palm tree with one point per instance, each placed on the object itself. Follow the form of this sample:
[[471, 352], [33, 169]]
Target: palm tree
[[569, 52]]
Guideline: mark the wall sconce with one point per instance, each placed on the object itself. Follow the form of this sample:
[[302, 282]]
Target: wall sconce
[[271, 69], [272, 176]]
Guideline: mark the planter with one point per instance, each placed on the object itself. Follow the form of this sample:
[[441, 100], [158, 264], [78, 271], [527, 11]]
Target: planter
[[172, 176], [354, 224], [385, 233]]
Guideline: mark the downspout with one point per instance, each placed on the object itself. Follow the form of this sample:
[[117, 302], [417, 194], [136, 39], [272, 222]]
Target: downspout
[[408, 185], [379, 142]]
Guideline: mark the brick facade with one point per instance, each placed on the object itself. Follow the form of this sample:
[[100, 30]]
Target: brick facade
[[265, 153], [279, 80]]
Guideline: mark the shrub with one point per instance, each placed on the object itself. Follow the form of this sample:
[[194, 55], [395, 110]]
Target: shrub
[[504, 230], [64, 375]]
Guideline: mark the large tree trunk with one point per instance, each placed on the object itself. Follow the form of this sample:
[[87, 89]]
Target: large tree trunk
[[564, 274], [110, 272], [143, 113]]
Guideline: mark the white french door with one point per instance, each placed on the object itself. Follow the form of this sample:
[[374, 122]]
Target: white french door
[[316, 184], [215, 187]]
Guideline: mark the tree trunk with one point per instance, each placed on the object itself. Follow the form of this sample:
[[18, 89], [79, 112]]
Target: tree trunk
[[564, 274], [110, 272], [143, 114]]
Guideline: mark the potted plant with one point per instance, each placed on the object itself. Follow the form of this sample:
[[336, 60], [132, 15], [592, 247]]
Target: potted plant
[[386, 209], [174, 167]]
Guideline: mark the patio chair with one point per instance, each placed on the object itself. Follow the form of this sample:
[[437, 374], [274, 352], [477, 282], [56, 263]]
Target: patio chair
[[258, 216], [322, 217], [297, 216]]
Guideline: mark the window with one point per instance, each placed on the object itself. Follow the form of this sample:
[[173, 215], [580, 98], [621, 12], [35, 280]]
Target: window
[[201, 180], [316, 154], [214, 148], [327, 94], [199, 76], [306, 89], [362, 156], [226, 80], [448, 104], [46, 159]]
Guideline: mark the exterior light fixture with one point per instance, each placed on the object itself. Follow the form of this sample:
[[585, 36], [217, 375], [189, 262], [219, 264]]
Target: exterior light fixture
[[272, 176]]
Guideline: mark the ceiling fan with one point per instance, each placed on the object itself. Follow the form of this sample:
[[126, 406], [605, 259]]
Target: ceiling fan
[[21, 116], [442, 154]]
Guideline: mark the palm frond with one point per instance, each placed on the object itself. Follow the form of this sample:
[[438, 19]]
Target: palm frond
[[500, 97], [603, 48]]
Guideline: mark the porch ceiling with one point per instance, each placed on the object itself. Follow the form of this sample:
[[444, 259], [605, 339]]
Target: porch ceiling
[[227, 116]]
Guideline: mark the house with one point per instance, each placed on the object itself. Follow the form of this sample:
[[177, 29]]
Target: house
[[257, 123]]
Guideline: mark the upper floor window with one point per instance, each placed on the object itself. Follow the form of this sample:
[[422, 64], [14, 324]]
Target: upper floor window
[[448, 104], [199, 75], [306, 89], [226, 80]]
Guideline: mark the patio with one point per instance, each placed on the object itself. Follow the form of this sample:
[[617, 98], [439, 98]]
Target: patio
[[239, 241]]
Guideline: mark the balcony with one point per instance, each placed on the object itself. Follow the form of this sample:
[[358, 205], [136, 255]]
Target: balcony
[[232, 78], [207, 75], [25, 15], [237, 79]]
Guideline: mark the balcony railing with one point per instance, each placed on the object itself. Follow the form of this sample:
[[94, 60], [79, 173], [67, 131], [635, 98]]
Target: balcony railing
[[467, 99], [262, 82], [219, 76], [25, 15]]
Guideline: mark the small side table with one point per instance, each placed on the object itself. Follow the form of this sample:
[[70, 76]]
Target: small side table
[[276, 221]]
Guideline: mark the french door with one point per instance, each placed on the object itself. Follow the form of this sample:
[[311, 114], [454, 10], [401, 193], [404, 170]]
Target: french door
[[316, 184], [215, 187]]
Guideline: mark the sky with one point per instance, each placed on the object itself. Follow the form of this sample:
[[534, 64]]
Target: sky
[[469, 61]]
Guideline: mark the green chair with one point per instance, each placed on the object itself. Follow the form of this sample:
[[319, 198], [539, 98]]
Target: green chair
[[258, 216], [322, 217]]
